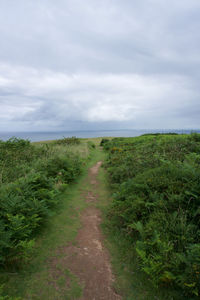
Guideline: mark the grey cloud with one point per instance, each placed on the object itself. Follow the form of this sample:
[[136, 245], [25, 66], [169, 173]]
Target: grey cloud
[[99, 63], [78, 35]]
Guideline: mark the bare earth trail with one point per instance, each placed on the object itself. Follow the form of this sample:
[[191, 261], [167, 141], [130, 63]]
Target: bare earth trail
[[88, 259]]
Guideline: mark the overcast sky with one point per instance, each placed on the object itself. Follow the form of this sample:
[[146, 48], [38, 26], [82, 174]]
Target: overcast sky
[[99, 64]]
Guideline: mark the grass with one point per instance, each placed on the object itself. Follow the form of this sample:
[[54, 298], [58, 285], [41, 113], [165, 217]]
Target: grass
[[37, 280], [60, 230], [81, 149]]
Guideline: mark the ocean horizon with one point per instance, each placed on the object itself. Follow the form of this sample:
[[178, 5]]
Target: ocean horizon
[[38, 136]]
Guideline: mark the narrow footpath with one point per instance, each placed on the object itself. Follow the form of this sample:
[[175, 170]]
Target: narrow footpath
[[88, 259]]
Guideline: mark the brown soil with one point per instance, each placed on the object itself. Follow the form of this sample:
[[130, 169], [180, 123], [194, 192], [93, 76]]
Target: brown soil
[[89, 259]]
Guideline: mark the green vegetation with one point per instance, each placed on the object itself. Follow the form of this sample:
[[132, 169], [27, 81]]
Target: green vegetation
[[39, 277], [32, 177], [130, 281], [103, 141], [68, 141], [156, 183], [152, 222]]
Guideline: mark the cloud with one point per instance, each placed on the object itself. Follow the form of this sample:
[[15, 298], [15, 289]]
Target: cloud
[[45, 97], [92, 64]]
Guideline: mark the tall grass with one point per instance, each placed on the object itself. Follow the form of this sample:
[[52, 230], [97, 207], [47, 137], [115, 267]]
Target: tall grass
[[31, 177]]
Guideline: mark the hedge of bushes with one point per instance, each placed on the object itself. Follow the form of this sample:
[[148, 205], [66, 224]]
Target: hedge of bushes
[[156, 180], [29, 188]]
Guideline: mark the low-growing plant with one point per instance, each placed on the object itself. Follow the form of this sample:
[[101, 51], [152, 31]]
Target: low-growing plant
[[68, 141], [31, 176], [104, 141], [24, 206], [65, 169], [6, 297], [156, 203], [91, 145]]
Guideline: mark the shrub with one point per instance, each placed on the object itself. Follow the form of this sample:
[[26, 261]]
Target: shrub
[[15, 158], [68, 141], [62, 168], [91, 145], [156, 202], [6, 297], [30, 177], [104, 141], [24, 206]]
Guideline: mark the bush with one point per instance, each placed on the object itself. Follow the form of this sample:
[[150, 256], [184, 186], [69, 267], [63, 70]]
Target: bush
[[60, 168], [16, 156], [29, 193], [156, 202], [91, 145], [6, 297], [68, 141], [104, 141], [24, 206]]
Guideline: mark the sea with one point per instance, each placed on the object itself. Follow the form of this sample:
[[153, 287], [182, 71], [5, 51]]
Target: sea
[[45, 136]]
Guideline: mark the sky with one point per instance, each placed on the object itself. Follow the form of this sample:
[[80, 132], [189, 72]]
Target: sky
[[99, 64]]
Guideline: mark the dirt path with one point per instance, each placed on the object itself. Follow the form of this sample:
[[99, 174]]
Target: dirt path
[[88, 260]]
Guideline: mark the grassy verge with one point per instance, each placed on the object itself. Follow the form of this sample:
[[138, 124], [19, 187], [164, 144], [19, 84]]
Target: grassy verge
[[36, 279], [32, 281]]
